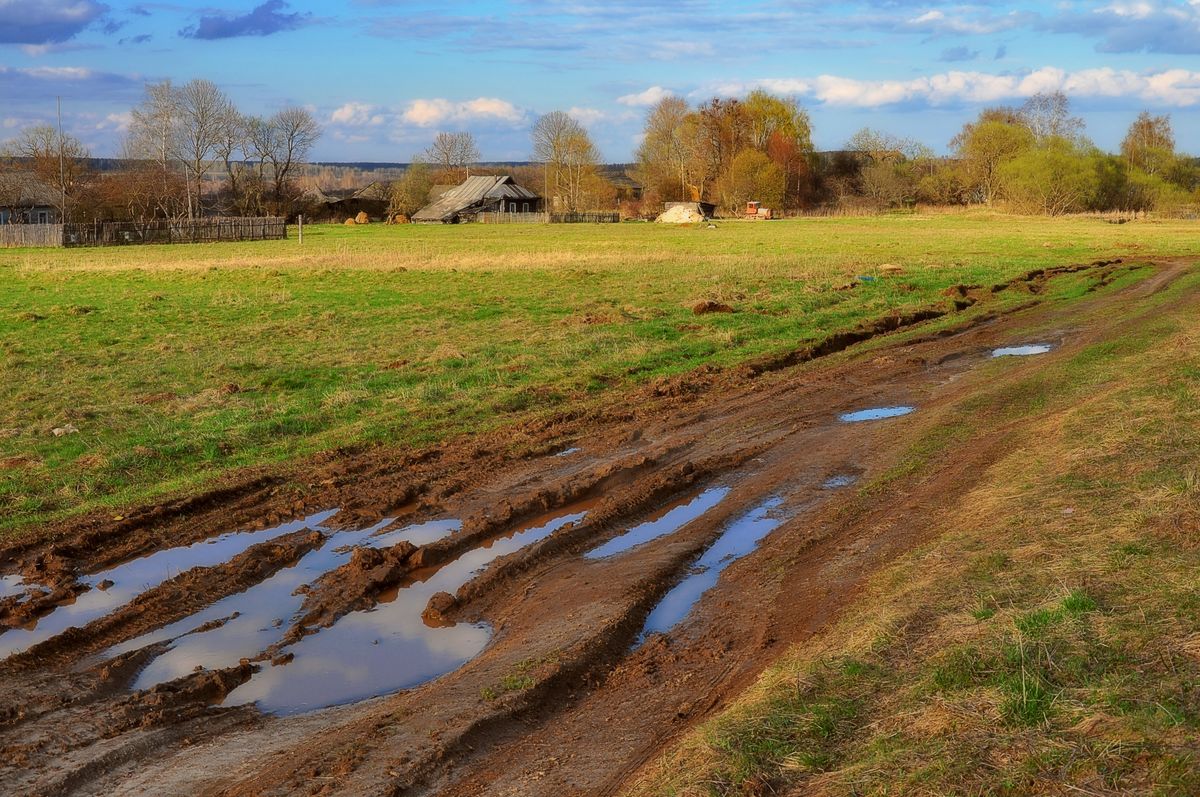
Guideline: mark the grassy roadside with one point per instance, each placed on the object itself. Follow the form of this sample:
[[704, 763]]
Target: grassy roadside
[[180, 364], [1046, 642]]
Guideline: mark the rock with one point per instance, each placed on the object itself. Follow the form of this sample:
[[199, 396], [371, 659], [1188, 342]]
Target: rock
[[66, 429], [706, 306]]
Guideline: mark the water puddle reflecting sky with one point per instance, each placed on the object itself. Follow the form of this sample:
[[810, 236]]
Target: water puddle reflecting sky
[[1021, 351], [134, 577], [665, 523], [739, 539], [389, 647], [874, 414]]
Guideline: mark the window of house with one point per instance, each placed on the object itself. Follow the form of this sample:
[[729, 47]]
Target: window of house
[[525, 207], [41, 217]]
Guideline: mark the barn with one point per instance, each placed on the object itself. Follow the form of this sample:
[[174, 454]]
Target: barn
[[478, 195]]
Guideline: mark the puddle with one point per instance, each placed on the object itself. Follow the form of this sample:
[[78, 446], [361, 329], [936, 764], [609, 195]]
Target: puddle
[[134, 577], [666, 523], [12, 584], [739, 539], [874, 414], [838, 481], [1021, 351], [384, 649], [568, 452], [264, 609]]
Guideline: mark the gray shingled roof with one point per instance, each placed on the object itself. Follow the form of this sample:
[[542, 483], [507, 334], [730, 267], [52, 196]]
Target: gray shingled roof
[[473, 191]]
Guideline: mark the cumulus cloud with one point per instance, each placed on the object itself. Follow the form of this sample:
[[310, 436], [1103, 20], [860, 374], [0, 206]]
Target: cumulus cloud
[[263, 20], [46, 21], [35, 84], [357, 114], [430, 112], [1173, 87], [650, 96]]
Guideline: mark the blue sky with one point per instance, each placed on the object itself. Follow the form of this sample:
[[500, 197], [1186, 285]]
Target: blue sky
[[384, 76]]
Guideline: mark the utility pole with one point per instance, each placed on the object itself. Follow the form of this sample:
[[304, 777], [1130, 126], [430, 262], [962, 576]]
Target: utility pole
[[62, 171]]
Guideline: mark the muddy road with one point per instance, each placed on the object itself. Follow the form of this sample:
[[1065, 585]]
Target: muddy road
[[532, 612]]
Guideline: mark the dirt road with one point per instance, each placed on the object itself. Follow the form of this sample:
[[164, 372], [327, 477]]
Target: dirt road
[[529, 613]]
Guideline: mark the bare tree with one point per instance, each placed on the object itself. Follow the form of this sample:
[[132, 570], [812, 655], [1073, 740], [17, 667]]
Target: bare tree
[[663, 154], [56, 159], [232, 149], [152, 137], [294, 132], [453, 153], [1048, 116], [203, 113], [564, 146]]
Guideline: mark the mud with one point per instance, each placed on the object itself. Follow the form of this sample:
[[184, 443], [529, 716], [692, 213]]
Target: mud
[[389, 648]]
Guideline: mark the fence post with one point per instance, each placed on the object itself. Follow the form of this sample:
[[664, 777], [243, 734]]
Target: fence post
[[300, 227]]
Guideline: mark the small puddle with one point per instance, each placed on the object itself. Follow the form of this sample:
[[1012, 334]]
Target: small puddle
[[666, 523], [134, 577], [389, 647], [838, 481], [1021, 351], [12, 584], [262, 610], [874, 414], [740, 539]]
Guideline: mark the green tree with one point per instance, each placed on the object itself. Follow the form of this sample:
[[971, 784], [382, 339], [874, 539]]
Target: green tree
[[411, 192], [1053, 179], [752, 176], [984, 146], [1150, 144]]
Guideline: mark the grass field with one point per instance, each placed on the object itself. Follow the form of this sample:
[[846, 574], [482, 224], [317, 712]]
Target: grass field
[[180, 364], [1048, 636]]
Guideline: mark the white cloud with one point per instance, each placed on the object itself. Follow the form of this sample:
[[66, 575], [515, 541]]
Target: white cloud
[[587, 116], [429, 112], [357, 114], [118, 122], [650, 96], [1173, 87]]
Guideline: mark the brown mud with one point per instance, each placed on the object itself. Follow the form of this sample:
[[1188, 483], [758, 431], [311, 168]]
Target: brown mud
[[548, 694]]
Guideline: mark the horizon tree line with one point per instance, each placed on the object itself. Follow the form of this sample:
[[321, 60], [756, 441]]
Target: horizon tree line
[[1032, 158]]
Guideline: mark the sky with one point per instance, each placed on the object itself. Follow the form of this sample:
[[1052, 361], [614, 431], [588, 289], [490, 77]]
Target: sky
[[384, 76]]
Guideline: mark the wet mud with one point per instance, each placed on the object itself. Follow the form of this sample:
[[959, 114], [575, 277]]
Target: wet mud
[[463, 620]]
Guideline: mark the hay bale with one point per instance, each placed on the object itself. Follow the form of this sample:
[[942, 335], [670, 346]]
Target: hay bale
[[349, 222], [399, 218], [362, 218]]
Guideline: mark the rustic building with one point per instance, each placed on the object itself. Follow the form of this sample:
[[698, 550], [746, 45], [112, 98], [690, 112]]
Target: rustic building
[[479, 195]]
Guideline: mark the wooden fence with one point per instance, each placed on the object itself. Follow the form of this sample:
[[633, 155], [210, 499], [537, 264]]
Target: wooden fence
[[547, 218], [132, 233], [13, 235], [585, 218]]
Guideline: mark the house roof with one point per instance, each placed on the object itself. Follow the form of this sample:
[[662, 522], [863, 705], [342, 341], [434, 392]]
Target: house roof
[[472, 191], [377, 191], [23, 189]]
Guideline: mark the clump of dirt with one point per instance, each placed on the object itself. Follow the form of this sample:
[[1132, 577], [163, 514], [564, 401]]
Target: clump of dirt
[[707, 306], [354, 586]]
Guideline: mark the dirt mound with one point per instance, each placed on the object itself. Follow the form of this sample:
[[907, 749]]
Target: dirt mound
[[682, 214], [706, 306]]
